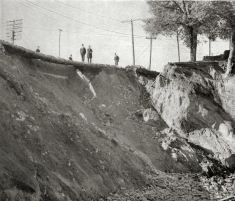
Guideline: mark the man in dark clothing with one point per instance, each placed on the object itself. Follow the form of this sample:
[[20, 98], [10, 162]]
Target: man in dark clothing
[[38, 49], [116, 59], [70, 58], [83, 52], [89, 54]]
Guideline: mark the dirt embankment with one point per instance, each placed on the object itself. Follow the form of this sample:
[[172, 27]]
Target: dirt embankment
[[195, 102], [76, 133]]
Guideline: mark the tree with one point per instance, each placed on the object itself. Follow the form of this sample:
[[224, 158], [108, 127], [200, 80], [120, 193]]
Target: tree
[[223, 12], [191, 17]]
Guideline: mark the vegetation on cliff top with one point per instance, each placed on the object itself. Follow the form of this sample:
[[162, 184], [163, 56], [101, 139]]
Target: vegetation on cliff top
[[192, 18]]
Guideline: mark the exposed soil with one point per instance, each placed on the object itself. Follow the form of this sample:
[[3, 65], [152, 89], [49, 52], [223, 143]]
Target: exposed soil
[[81, 132], [58, 137]]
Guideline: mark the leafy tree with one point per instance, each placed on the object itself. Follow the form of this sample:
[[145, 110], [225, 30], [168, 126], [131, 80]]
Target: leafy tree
[[223, 13], [190, 17]]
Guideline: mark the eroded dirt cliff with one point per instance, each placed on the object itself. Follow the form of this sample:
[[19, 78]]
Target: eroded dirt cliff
[[78, 132], [190, 97]]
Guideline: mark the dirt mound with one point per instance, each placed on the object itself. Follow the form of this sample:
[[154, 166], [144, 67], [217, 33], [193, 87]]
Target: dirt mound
[[79, 132]]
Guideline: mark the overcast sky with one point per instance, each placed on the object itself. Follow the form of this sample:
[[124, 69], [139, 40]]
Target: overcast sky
[[96, 23]]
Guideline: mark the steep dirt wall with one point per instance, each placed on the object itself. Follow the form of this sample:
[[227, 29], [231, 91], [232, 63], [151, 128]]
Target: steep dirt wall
[[76, 134], [188, 98]]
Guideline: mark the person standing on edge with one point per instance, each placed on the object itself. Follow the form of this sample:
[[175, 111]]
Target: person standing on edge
[[116, 59], [83, 52], [89, 54], [38, 49], [70, 58]]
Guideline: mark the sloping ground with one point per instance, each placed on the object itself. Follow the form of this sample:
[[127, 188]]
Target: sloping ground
[[62, 135], [71, 134], [78, 132], [188, 97]]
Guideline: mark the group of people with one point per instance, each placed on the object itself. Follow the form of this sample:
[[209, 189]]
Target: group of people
[[89, 51], [83, 52]]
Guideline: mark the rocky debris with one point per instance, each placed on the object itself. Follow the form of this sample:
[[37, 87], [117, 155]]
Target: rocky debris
[[187, 99], [141, 71], [168, 187], [222, 188], [176, 186]]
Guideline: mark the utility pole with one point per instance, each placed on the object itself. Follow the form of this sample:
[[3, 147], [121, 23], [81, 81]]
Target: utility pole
[[15, 28], [151, 40], [133, 45], [132, 31], [177, 36], [13, 32], [209, 47], [59, 40]]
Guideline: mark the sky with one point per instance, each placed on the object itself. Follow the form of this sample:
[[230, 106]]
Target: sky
[[98, 23]]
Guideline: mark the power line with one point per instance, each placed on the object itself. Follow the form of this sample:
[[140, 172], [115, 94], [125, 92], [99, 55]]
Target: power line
[[177, 46], [26, 43], [167, 52], [44, 13], [142, 53], [151, 41], [95, 26], [106, 35], [28, 39], [89, 12], [109, 18], [63, 20], [76, 32], [79, 32], [56, 19], [75, 19], [92, 25], [170, 43]]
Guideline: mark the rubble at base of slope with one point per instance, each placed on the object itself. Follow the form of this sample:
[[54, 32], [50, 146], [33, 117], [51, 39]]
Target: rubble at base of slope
[[178, 187], [220, 187]]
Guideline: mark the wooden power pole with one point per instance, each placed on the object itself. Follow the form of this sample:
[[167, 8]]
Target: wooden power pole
[[59, 40], [133, 44], [151, 41], [132, 34], [209, 47], [14, 29], [177, 36]]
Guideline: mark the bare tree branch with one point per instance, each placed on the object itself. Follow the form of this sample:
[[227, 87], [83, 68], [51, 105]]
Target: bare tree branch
[[178, 6]]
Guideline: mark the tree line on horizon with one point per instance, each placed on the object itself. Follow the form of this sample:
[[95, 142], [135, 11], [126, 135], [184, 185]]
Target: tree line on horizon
[[214, 19]]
